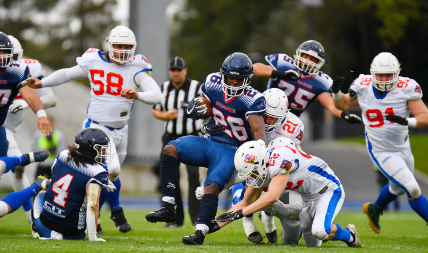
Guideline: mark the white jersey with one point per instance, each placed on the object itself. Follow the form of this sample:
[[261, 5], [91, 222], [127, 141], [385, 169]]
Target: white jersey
[[13, 121], [107, 80], [291, 127], [381, 134], [310, 179]]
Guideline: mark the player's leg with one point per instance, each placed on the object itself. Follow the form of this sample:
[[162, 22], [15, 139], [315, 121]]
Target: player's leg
[[250, 228], [220, 169], [323, 228], [194, 203], [189, 150], [179, 208], [19, 179]]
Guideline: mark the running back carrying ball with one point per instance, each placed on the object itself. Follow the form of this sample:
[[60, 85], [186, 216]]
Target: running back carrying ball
[[198, 108], [207, 103]]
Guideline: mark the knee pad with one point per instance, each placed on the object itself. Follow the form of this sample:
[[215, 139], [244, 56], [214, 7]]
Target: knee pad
[[4, 209], [410, 187], [114, 171], [319, 232], [414, 190], [19, 171]]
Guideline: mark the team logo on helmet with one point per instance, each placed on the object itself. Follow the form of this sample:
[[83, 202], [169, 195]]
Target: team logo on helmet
[[249, 159], [286, 165]]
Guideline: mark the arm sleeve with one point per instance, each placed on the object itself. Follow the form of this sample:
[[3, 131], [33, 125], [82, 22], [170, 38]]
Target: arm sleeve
[[151, 93], [64, 76], [47, 96], [92, 199], [159, 106]]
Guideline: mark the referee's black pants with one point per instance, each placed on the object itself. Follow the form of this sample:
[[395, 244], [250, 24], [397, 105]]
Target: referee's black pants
[[193, 174]]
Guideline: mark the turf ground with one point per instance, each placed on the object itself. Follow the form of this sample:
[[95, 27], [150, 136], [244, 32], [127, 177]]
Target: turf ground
[[401, 232]]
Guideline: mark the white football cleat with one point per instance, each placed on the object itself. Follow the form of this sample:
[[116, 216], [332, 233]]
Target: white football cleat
[[354, 234], [251, 230]]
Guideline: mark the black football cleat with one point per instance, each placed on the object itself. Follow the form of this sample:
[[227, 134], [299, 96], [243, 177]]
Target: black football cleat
[[195, 239], [42, 183], [164, 214], [36, 156], [99, 230], [272, 237], [120, 221], [373, 212]]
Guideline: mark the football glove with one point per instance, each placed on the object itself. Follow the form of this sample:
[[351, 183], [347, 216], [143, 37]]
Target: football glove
[[17, 105], [397, 119], [193, 110], [337, 84], [286, 75], [110, 187], [199, 192], [212, 129], [350, 118], [230, 216]]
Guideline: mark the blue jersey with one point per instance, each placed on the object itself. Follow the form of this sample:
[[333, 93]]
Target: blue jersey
[[233, 112], [10, 78], [65, 200], [300, 93]]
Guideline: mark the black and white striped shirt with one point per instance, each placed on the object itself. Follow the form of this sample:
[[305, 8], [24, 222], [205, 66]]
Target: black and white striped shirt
[[175, 98]]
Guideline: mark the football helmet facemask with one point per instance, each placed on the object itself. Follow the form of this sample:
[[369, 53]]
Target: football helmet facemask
[[95, 143], [6, 47], [276, 106], [251, 162], [236, 65], [385, 63], [17, 48], [121, 35], [312, 48]]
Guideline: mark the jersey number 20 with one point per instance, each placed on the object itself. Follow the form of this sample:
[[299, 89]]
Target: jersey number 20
[[113, 88], [60, 187]]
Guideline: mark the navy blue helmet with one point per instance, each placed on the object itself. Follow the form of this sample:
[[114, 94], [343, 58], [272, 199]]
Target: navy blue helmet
[[312, 48], [237, 65], [95, 143], [5, 45]]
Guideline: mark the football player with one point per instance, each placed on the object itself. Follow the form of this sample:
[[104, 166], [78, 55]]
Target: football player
[[386, 100], [12, 74], [115, 77], [284, 167], [312, 83], [236, 106], [69, 208], [15, 116]]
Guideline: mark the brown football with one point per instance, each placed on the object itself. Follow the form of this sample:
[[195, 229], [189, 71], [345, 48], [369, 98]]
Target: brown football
[[209, 112]]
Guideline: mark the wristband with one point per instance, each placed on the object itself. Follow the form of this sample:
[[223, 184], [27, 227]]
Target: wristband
[[41, 113], [337, 96], [411, 122], [277, 74]]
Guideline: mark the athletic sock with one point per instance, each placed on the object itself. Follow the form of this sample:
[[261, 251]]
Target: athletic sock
[[169, 175], [208, 209], [113, 197], [385, 197], [342, 234], [420, 205], [28, 205], [17, 199], [10, 162]]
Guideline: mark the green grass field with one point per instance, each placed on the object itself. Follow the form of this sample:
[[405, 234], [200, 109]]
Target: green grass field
[[401, 232], [418, 143]]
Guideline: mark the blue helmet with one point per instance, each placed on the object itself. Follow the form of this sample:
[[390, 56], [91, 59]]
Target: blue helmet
[[94, 142], [236, 65], [5, 44], [312, 48]]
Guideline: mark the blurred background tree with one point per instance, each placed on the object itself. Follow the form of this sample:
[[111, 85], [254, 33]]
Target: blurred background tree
[[56, 32]]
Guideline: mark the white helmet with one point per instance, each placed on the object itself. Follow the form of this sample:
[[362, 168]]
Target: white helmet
[[276, 106], [124, 36], [251, 161], [385, 63], [17, 48], [281, 142]]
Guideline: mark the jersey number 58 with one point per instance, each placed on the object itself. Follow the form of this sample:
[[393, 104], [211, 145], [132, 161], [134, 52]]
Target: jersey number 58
[[114, 83]]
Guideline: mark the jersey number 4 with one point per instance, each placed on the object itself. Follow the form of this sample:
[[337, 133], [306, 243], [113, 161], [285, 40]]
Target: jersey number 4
[[114, 83], [60, 187]]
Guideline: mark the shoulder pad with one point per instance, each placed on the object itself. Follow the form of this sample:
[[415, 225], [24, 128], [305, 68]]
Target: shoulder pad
[[142, 62], [212, 83]]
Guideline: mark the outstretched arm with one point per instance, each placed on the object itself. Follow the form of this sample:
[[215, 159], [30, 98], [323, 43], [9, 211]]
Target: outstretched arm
[[419, 111], [151, 93], [33, 100], [58, 77]]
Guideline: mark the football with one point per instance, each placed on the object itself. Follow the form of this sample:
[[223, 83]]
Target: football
[[209, 112]]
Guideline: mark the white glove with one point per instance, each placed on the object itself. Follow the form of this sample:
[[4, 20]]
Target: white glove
[[110, 187], [199, 192], [96, 239], [17, 105]]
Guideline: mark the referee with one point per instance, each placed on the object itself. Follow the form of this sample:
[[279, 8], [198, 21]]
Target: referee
[[177, 92]]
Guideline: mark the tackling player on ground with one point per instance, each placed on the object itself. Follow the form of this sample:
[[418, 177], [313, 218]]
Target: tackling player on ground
[[284, 167], [236, 106], [386, 100], [15, 116], [115, 77]]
